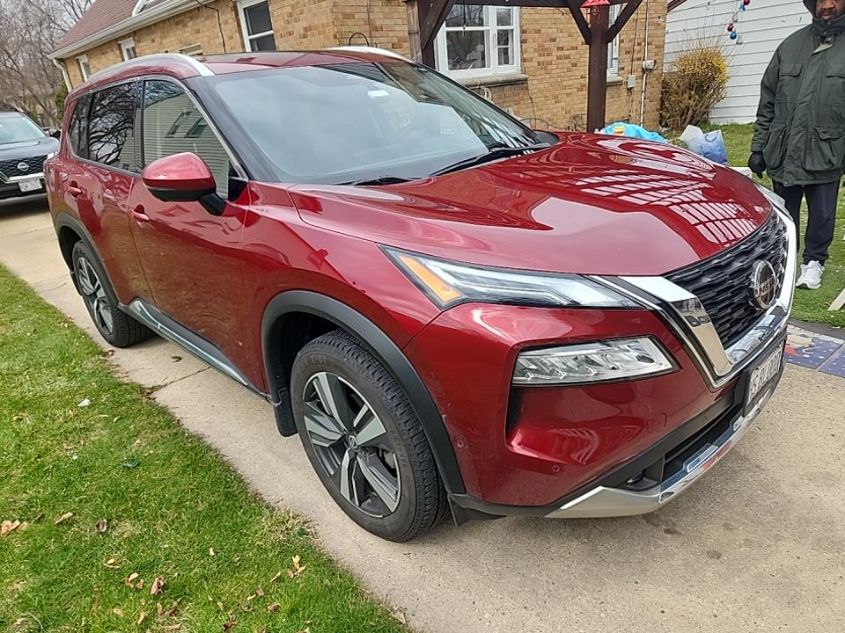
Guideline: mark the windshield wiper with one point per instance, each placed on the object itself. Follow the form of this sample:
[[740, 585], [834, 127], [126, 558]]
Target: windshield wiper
[[494, 153], [379, 180]]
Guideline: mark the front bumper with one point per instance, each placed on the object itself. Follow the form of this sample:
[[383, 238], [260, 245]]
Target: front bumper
[[604, 501], [10, 189]]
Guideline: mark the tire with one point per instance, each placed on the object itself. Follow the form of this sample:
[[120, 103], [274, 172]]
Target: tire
[[361, 423], [114, 325]]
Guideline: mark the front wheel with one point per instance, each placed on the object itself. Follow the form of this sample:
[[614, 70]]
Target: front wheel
[[364, 439]]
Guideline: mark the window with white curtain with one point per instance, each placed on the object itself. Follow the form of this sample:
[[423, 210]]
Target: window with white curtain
[[478, 41], [613, 46]]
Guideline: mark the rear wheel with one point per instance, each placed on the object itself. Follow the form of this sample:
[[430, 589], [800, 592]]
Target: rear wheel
[[364, 439], [114, 325]]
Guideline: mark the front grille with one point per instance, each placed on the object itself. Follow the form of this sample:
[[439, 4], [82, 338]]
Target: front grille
[[723, 282], [9, 168]]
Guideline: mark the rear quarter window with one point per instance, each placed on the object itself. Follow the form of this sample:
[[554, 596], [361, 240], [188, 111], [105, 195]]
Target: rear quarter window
[[77, 132]]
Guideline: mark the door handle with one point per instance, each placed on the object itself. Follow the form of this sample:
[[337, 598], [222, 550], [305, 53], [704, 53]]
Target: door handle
[[139, 214], [74, 189]]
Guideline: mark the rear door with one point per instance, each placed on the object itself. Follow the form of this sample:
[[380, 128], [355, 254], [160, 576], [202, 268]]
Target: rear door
[[100, 177], [191, 258]]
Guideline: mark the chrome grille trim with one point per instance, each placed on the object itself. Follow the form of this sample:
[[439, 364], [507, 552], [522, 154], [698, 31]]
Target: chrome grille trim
[[686, 315]]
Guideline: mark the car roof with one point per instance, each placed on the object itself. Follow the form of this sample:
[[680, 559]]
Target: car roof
[[184, 67], [9, 115]]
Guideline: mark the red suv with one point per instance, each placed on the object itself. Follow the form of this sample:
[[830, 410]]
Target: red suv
[[453, 311]]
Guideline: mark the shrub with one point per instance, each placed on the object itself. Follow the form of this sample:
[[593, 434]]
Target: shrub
[[696, 82]]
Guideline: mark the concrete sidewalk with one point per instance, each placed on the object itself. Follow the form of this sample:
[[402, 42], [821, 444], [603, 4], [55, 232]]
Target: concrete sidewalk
[[757, 545]]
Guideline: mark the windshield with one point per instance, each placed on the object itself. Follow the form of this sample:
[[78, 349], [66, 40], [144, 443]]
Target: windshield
[[18, 129], [357, 121]]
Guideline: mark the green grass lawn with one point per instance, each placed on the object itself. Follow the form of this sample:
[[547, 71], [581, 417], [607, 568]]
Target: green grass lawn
[[810, 305], [148, 501]]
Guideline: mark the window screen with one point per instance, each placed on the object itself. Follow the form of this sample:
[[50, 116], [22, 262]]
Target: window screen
[[173, 124], [111, 126]]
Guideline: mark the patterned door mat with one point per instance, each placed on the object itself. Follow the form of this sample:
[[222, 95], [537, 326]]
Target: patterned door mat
[[815, 351]]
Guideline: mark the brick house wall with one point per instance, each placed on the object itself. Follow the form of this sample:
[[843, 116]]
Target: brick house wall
[[552, 87]]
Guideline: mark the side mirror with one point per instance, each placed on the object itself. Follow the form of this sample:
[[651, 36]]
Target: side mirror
[[179, 178]]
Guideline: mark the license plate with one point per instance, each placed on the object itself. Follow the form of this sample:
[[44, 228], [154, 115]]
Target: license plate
[[30, 185], [762, 375]]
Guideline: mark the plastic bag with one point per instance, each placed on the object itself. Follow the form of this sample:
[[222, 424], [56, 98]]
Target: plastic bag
[[635, 131], [710, 145]]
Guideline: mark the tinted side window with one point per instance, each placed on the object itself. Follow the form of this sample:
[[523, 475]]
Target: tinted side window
[[111, 126], [77, 133], [173, 124]]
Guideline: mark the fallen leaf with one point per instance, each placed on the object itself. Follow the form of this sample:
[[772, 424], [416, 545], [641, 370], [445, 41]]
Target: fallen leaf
[[118, 612], [272, 608], [132, 463], [259, 592], [173, 610], [211, 551], [398, 616], [110, 563], [172, 627], [129, 581], [250, 598], [276, 577], [229, 624], [63, 518], [139, 584], [23, 526], [84, 403], [142, 616], [297, 568], [101, 526], [157, 586], [176, 359], [159, 609], [7, 527]]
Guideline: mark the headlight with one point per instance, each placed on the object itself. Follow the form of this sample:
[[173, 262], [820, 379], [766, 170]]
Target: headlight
[[592, 362], [450, 283], [775, 200]]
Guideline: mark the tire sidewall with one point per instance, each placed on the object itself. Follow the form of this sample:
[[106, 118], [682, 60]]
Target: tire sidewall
[[80, 249], [325, 358]]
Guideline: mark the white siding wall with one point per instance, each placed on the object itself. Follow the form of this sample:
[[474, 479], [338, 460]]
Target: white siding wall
[[763, 25]]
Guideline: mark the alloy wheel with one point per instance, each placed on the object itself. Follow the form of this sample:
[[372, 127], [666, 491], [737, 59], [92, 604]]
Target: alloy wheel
[[351, 444], [94, 295]]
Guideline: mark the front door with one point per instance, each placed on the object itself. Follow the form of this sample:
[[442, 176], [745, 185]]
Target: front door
[[191, 258]]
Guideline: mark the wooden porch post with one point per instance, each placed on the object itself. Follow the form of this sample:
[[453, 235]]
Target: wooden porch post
[[597, 73]]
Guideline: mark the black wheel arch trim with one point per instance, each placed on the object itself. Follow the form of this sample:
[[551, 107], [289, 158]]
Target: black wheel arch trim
[[384, 349], [64, 220]]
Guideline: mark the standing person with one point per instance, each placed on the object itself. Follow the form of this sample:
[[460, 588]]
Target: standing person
[[799, 137]]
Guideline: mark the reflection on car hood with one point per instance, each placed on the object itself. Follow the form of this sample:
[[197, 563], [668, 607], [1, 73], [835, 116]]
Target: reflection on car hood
[[590, 204]]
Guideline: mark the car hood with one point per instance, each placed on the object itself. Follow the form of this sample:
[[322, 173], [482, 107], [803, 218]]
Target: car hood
[[591, 204], [29, 149]]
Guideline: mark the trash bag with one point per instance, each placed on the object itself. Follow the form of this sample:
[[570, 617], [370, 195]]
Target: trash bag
[[710, 145], [635, 131]]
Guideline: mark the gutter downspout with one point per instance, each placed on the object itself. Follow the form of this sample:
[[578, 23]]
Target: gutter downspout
[[65, 76]]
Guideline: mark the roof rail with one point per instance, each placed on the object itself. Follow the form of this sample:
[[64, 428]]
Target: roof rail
[[161, 58], [369, 49]]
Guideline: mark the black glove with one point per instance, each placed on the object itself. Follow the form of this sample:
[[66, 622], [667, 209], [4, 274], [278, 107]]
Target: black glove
[[757, 164]]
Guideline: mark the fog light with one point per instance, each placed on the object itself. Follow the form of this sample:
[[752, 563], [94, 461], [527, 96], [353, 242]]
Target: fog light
[[592, 362]]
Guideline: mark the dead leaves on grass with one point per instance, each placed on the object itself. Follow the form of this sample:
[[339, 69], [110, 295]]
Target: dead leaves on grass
[[7, 527], [101, 526], [65, 517], [157, 586], [297, 568]]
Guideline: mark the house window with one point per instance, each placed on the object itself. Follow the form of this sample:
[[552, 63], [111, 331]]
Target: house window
[[127, 49], [194, 50], [478, 40], [84, 68], [613, 47], [256, 25]]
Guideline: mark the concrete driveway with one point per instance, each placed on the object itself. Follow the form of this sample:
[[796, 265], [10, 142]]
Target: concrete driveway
[[757, 545]]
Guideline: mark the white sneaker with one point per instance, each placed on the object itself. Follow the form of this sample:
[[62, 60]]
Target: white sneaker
[[811, 276]]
